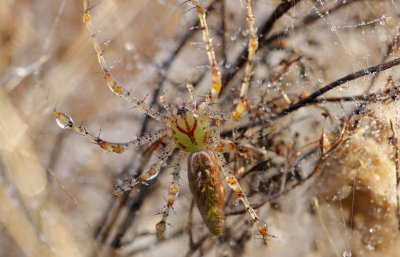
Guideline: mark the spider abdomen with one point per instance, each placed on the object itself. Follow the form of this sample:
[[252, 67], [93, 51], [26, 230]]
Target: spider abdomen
[[206, 186]]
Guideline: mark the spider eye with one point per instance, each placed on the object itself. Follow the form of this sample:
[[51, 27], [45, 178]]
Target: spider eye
[[182, 110]]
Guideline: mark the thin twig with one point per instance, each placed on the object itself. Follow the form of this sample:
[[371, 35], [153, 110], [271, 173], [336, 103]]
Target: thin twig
[[352, 76], [317, 168], [315, 200]]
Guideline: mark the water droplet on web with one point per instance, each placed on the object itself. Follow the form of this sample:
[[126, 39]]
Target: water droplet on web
[[370, 247], [61, 125], [333, 28], [129, 46], [347, 254], [65, 121], [22, 72], [42, 238]]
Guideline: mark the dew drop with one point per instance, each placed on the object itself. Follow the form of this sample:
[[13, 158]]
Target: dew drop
[[64, 121], [21, 72], [129, 46], [347, 254]]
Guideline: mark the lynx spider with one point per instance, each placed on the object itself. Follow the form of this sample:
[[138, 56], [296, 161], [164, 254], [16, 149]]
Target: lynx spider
[[191, 131]]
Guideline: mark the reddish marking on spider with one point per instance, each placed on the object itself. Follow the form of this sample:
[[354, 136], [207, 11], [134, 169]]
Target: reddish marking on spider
[[182, 146], [189, 132]]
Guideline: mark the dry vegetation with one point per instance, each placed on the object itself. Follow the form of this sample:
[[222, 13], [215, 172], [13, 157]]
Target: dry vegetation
[[55, 187]]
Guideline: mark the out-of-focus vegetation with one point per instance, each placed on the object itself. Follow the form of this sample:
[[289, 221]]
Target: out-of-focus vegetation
[[55, 187]]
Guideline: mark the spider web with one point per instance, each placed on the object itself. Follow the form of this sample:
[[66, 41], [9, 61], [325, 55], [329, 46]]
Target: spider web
[[305, 46]]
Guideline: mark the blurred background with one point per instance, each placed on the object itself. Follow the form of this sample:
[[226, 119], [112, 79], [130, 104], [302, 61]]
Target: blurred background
[[323, 188]]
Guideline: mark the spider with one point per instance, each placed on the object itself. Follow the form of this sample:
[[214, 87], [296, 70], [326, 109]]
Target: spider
[[191, 128]]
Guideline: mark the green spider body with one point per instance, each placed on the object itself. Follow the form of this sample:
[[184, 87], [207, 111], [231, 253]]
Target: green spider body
[[190, 130], [206, 186], [191, 133]]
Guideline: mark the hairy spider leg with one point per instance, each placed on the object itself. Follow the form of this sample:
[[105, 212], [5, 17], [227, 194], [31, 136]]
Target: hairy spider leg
[[172, 195], [163, 101], [112, 83], [208, 111], [215, 72], [150, 173], [235, 186], [225, 145], [252, 47], [213, 114], [66, 122], [190, 88]]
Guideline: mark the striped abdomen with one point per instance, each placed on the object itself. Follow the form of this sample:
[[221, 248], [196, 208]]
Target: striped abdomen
[[207, 189]]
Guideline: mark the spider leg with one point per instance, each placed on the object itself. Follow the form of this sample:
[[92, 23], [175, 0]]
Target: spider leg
[[66, 122], [190, 88], [235, 186], [213, 114], [215, 72], [150, 173], [225, 145], [252, 47], [172, 195], [162, 100], [112, 83]]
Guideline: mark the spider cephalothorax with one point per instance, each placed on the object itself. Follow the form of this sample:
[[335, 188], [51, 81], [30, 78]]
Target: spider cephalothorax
[[191, 130]]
